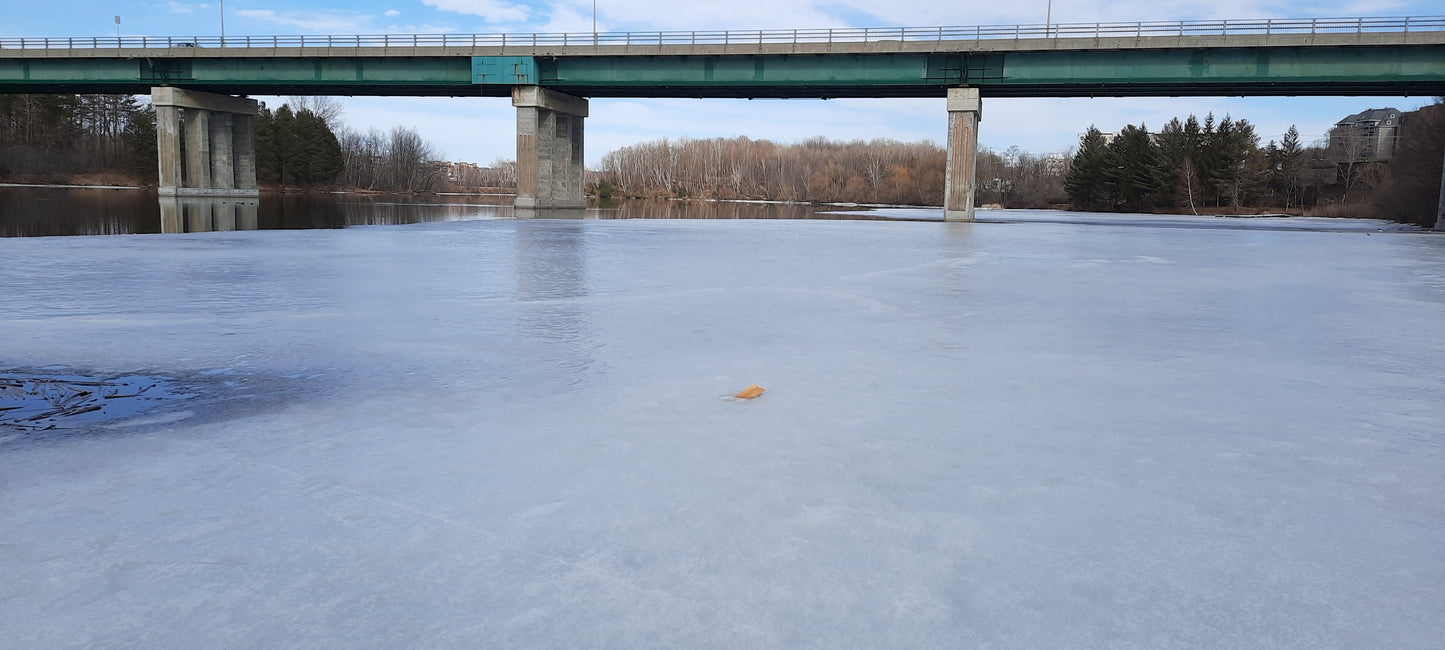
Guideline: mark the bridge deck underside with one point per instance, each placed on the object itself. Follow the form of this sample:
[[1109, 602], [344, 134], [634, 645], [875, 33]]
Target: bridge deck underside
[[1375, 70]]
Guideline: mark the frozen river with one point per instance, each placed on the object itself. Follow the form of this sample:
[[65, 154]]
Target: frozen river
[[1047, 430]]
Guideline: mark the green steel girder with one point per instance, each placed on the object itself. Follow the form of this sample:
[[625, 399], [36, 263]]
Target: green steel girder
[[761, 71], [504, 70], [1258, 71], [245, 75], [1308, 65], [1376, 70]]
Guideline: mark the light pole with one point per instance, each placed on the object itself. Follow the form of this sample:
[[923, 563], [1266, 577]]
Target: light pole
[[223, 22], [594, 21], [1048, 19]]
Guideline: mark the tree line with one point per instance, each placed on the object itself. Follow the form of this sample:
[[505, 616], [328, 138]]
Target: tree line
[[1187, 164], [308, 145], [48, 137], [54, 138], [880, 171], [817, 169]]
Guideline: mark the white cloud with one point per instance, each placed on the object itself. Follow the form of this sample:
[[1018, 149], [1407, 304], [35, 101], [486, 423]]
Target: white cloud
[[732, 14], [563, 18], [391, 12], [419, 29], [622, 15], [494, 11], [179, 8], [313, 21]]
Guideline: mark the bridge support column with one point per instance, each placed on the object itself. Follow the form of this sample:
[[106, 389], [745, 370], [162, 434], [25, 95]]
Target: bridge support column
[[168, 144], [197, 148], [206, 143], [964, 113], [223, 168], [1440, 208], [549, 148], [243, 140]]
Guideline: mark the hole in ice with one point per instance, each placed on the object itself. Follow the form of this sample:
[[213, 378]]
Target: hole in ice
[[43, 401]]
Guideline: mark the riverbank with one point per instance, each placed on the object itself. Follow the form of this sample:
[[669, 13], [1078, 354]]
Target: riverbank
[[75, 187], [106, 180]]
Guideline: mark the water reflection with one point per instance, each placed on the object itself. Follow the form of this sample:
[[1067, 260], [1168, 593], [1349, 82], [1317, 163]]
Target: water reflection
[[553, 213], [310, 211], [551, 267], [664, 209], [45, 211], [196, 214], [27, 211]]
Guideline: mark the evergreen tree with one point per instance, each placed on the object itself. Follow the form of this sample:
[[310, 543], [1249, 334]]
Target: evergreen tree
[[140, 142], [1206, 157], [58, 135], [1175, 146], [264, 140], [1237, 166], [296, 148], [1089, 177], [321, 159], [1274, 171], [289, 152], [1291, 162], [1136, 176]]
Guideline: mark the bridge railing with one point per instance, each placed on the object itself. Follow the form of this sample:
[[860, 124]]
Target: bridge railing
[[1262, 26]]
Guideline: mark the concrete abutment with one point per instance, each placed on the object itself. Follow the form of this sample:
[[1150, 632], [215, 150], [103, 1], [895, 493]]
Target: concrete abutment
[[205, 143]]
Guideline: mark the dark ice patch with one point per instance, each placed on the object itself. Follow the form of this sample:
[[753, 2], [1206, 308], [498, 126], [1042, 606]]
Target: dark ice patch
[[41, 402]]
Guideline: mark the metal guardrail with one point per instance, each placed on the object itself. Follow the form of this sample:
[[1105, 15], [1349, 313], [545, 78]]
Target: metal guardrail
[[1272, 26]]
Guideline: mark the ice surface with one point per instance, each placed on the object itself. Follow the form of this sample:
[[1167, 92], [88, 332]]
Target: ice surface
[[517, 434]]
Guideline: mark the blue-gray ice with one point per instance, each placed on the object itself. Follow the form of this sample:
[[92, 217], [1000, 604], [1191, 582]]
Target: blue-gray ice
[[1164, 433]]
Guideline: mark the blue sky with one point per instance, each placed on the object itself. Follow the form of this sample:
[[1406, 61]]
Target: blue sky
[[481, 129]]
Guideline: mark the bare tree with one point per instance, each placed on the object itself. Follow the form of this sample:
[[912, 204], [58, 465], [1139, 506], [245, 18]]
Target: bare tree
[[397, 161], [329, 109], [815, 170]]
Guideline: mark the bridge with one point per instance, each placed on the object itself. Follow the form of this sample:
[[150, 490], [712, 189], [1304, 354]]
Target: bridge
[[193, 80]]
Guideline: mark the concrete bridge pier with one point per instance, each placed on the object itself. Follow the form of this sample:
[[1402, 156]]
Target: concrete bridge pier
[[549, 148], [1440, 209], [205, 142], [965, 110]]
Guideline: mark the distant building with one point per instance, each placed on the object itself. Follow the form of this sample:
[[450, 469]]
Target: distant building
[[462, 172], [1108, 136], [1367, 136], [1057, 163]]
